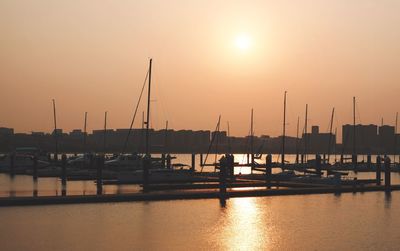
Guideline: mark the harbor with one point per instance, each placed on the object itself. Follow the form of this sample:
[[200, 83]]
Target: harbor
[[199, 125]]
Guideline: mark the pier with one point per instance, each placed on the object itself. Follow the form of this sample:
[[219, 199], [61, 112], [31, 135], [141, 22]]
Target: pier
[[78, 199]]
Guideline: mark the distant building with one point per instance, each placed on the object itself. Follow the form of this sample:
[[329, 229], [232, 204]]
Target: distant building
[[4, 131], [76, 133], [366, 138], [387, 138], [37, 134], [220, 136], [57, 131], [319, 142]]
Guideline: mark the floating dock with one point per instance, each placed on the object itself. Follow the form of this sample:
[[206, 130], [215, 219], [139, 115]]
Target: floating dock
[[181, 195]]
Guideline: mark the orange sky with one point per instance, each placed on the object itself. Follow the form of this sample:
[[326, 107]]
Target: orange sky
[[93, 55]]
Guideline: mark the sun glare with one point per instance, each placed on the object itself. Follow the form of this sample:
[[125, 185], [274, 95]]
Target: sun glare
[[243, 42]]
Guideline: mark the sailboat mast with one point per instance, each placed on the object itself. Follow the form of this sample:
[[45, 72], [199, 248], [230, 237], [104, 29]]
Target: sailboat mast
[[330, 134], [334, 147], [354, 126], [229, 140], [217, 138], [251, 139], [166, 137], [305, 134], [105, 132], [395, 138], [55, 130], [284, 130], [297, 140], [148, 111], [84, 133]]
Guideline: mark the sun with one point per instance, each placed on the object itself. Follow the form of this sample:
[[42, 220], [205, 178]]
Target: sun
[[243, 42]]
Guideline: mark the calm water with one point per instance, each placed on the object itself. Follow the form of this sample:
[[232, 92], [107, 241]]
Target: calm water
[[22, 185], [368, 221], [362, 221]]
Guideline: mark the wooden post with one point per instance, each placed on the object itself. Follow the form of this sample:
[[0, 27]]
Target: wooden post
[[231, 166], [193, 162], [222, 177], [100, 164], [163, 164], [35, 165], [378, 170], [169, 166], [268, 170], [12, 163], [354, 161], [64, 175], [34, 175], [369, 161], [146, 167], [387, 175], [318, 165]]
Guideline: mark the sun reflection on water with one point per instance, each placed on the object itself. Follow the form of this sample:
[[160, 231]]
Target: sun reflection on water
[[243, 226]]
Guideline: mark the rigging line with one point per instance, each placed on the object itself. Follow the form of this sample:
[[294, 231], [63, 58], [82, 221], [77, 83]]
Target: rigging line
[[216, 144], [134, 115], [210, 145], [159, 94], [229, 140], [247, 146], [361, 131]]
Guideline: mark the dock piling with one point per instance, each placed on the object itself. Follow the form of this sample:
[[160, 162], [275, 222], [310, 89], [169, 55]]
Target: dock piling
[[64, 175], [369, 161], [378, 170], [193, 167], [146, 167], [222, 177], [100, 165], [34, 175], [268, 170], [231, 166], [387, 175], [35, 165], [354, 161], [318, 165], [12, 164], [169, 166], [163, 163]]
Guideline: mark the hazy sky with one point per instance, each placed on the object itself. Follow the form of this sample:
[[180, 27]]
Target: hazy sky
[[93, 56]]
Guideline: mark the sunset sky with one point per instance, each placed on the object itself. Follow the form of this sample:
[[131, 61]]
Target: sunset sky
[[209, 58]]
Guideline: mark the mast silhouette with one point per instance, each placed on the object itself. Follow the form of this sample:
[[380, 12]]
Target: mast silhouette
[[55, 130], [284, 131], [305, 134], [330, 134], [148, 111], [105, 132], [84, 133], [229, 140], [354, 132], [166, 137], [252, 141], [395, 139], [297, 140]]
